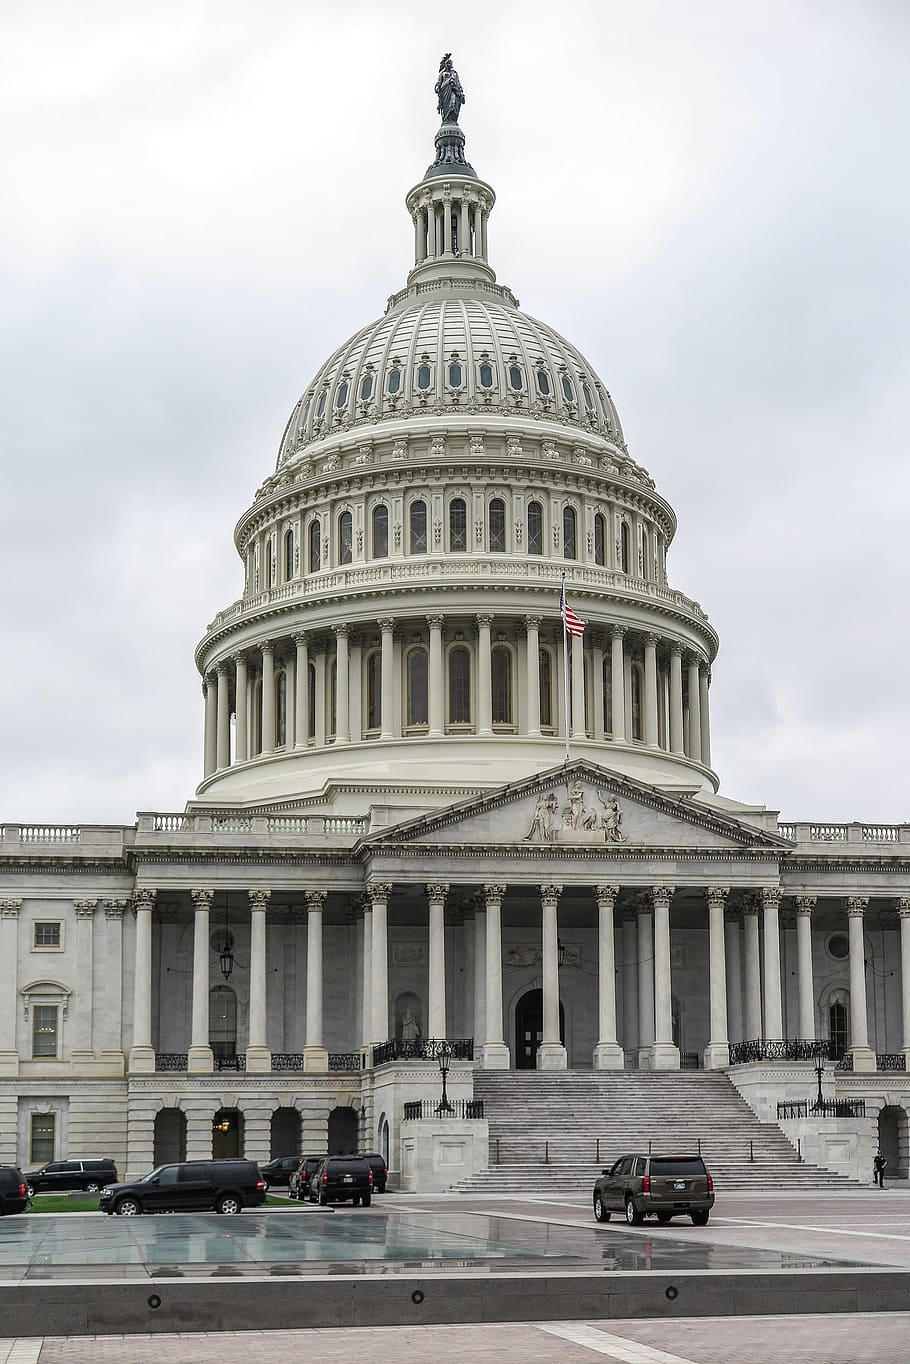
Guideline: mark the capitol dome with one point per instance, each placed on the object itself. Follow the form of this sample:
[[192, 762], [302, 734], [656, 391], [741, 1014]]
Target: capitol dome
[[399, 641]]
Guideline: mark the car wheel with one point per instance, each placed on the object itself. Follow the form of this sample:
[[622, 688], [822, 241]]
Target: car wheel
[[664, 1217], [30, 1190], [633, 1216], [601, 1214], [356, 1200], [94, 1187], [367, 1200], [128, 1207], [700, 1219], [228, 1204], [323, 1198], [267, 1185]]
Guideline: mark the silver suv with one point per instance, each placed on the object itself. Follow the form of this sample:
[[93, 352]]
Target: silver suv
[[662, 1186]]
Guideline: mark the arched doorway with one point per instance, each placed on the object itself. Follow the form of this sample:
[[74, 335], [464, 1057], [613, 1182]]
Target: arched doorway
[[284, 1135], [839, 1023], [384, 1138], [227, 1134], [169, 1143], [342, 1132], [892, 1139], [529, 1028]]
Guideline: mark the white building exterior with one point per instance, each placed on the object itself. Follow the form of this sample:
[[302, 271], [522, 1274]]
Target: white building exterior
[[388, 847]]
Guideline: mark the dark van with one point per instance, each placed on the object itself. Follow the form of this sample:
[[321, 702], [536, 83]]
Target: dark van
[[13, 1191], [227, 1186]]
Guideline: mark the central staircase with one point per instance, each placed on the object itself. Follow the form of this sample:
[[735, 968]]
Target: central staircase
[[553, 1132]]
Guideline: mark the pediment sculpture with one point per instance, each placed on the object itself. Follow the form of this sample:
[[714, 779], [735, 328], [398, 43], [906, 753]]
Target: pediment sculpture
[[576, 818]]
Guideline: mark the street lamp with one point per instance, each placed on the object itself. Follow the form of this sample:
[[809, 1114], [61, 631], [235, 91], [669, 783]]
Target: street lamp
[[443, 1057], [819, 1071]]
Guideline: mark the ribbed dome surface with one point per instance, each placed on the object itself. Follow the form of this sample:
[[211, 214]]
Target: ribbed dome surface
[[462, 351]]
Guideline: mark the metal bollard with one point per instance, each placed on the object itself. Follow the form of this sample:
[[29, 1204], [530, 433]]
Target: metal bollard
[[751, 1152], [497, 1150], [546, 1153], [597, 1156], [799, 1148], [699, 1145]]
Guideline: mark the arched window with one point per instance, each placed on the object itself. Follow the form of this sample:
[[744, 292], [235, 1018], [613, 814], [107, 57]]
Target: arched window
[[535, 528], [545, 665], [455, 376], [380, 525], [374, 689], [624, 546], [423, 377], [315, 546], [501, 684], [393, 382], [608, 696], [486, 376], [281, 708], [418, 687], [320, 406], [515, 378], [567, 390], [417, 521], [288, 554], [459, 686], [600, 539], [497, 526], [589, 400], [568, 532], [543, 383], [341, 396], [345, 538], [838, 1025], [636, 690], [458, 525], [366, 388]]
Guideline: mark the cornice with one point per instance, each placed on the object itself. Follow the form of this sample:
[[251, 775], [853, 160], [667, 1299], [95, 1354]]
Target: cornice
[[511, 852]]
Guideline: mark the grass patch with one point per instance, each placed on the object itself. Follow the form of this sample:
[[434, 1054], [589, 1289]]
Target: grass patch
[[89, 1203]]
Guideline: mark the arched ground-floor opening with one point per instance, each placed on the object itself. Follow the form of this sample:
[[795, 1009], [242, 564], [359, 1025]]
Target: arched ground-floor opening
[[529, 1028], [169, 1141], [284, 1133], [894, 1141], [342, 1132], [227, 1134]]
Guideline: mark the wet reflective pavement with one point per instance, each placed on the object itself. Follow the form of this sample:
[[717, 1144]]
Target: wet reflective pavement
[[279, 1243]]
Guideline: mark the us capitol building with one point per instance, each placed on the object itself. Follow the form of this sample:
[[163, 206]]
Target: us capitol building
[[395, 844]]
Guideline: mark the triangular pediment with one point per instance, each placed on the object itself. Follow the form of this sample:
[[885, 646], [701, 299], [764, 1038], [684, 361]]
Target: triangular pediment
[[579, 805]]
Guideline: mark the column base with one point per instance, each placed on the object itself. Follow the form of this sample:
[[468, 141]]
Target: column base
[[315, 1059], [863, 1058], [200, 1061], [9, 1063], [717, 1056], [142, 1061], [609, 1056], [258, 1060], [494, 1056], [645, 1057], [552, 1056], [664, 1056]]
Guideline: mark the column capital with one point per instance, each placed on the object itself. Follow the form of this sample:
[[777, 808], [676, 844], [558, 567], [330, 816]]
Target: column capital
[[85, 909], [267, 646], [9, 909], [259, 899], [340, 631], [315, 899], [903, 906], [386, 624], [437, 892], [549, 895], [378, 892], [617, 631], [661, 896], [717, 895], [484, 620], [771, 897], [492, 895], [240, 659], [301, 639], [651, 639], [114, 909], [221, 668], [806, 903], [533, 622], [855, 904], [606, 896], [436, 622], [144, 899], [676, 648], [202, 899]]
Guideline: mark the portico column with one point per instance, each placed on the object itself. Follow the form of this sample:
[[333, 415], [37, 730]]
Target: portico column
[[241, 702], [315, 1056], [551, 1054], [694, 712], [650, 726], [494, 1054], [268, 697], [617, 685], [258, 1056], [142, 1053], [367, 975], [579, 719], [436, 995], [532, 625], [665, 1054], [903, 909], [608, 1054], [111, 1049], [770, 897], [82, 1024], [676, 700], [804, 907], [717, 1052], [379, 892], [302, 734], [223, 740], [734, 944], [753, 1020], [484, 682], [480, 977], [863, 1055], [200, 1053], [342, 688], [9, 996], [437, 685], [387, 719], [645, 948], [210, 697]]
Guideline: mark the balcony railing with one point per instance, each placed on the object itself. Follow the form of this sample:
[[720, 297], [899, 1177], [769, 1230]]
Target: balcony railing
[[171, 1060], [884, 1060], [234, 1062], [433, 1108], [423, 1049], [338, 1060], [779, 1049], [828, 1108]]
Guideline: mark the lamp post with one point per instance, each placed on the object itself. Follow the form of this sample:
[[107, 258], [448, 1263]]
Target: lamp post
[[443, 1058]]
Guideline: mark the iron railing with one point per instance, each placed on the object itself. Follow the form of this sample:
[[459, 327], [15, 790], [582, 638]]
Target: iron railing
[[890, 1060], [172, 1060], [780, 1049], [828, 1108], [423, 1049], [345, 1060], [234, 1062], [433, 1108], [689, 1060]]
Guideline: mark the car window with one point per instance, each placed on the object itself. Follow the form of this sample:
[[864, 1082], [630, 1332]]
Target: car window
[[640, 1164], [152, 1174], [625, 1165], [682, 1165], [71, 1166], [168, 1174]]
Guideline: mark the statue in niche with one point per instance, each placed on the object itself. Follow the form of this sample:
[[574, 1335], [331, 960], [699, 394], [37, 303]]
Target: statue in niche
[[410, 1029], [449, 94]]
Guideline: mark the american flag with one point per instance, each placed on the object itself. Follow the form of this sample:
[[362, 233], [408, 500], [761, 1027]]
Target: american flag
[[574, 624]]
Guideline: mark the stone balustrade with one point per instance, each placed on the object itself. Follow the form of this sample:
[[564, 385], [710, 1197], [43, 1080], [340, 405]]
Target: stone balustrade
[[830, 835]]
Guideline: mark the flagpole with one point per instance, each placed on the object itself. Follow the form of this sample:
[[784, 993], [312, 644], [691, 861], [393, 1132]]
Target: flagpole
[[565, 663]]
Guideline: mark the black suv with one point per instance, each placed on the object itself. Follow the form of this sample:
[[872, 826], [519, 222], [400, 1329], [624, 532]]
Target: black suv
[[228, 1186], [337, 1179], [279, 1170], [13, 1193], [380, 1170], [640, 1186], [299, 1182], [60, 1176]]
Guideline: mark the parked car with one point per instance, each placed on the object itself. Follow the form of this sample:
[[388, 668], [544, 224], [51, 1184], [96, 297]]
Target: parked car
[[338, 1179], [661, 1186], [279, 1171], [299, 1182], [380, 1170], [228, 1186], [13, 1190], [61, 1176]]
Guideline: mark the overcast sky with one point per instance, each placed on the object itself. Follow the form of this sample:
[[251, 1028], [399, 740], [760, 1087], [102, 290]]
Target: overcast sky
[[202, 200]]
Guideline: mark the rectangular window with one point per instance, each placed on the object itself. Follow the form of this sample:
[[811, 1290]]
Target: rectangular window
[[44, 1030], [42, 1138], [49, 933]]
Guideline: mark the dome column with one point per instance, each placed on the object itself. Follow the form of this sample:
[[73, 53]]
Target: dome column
[[223, 740], [342, 692], [650, 697], [302, 688], [241, 703], [579, 719], [268, 697], [694, 712], [608, 1054], [617, 684], [389, 727], [318, 651], [484, 679], [464, 235], [861, 1052], [676, 701], [532, 625], [704, 678], [210, 750], [437, 685]]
